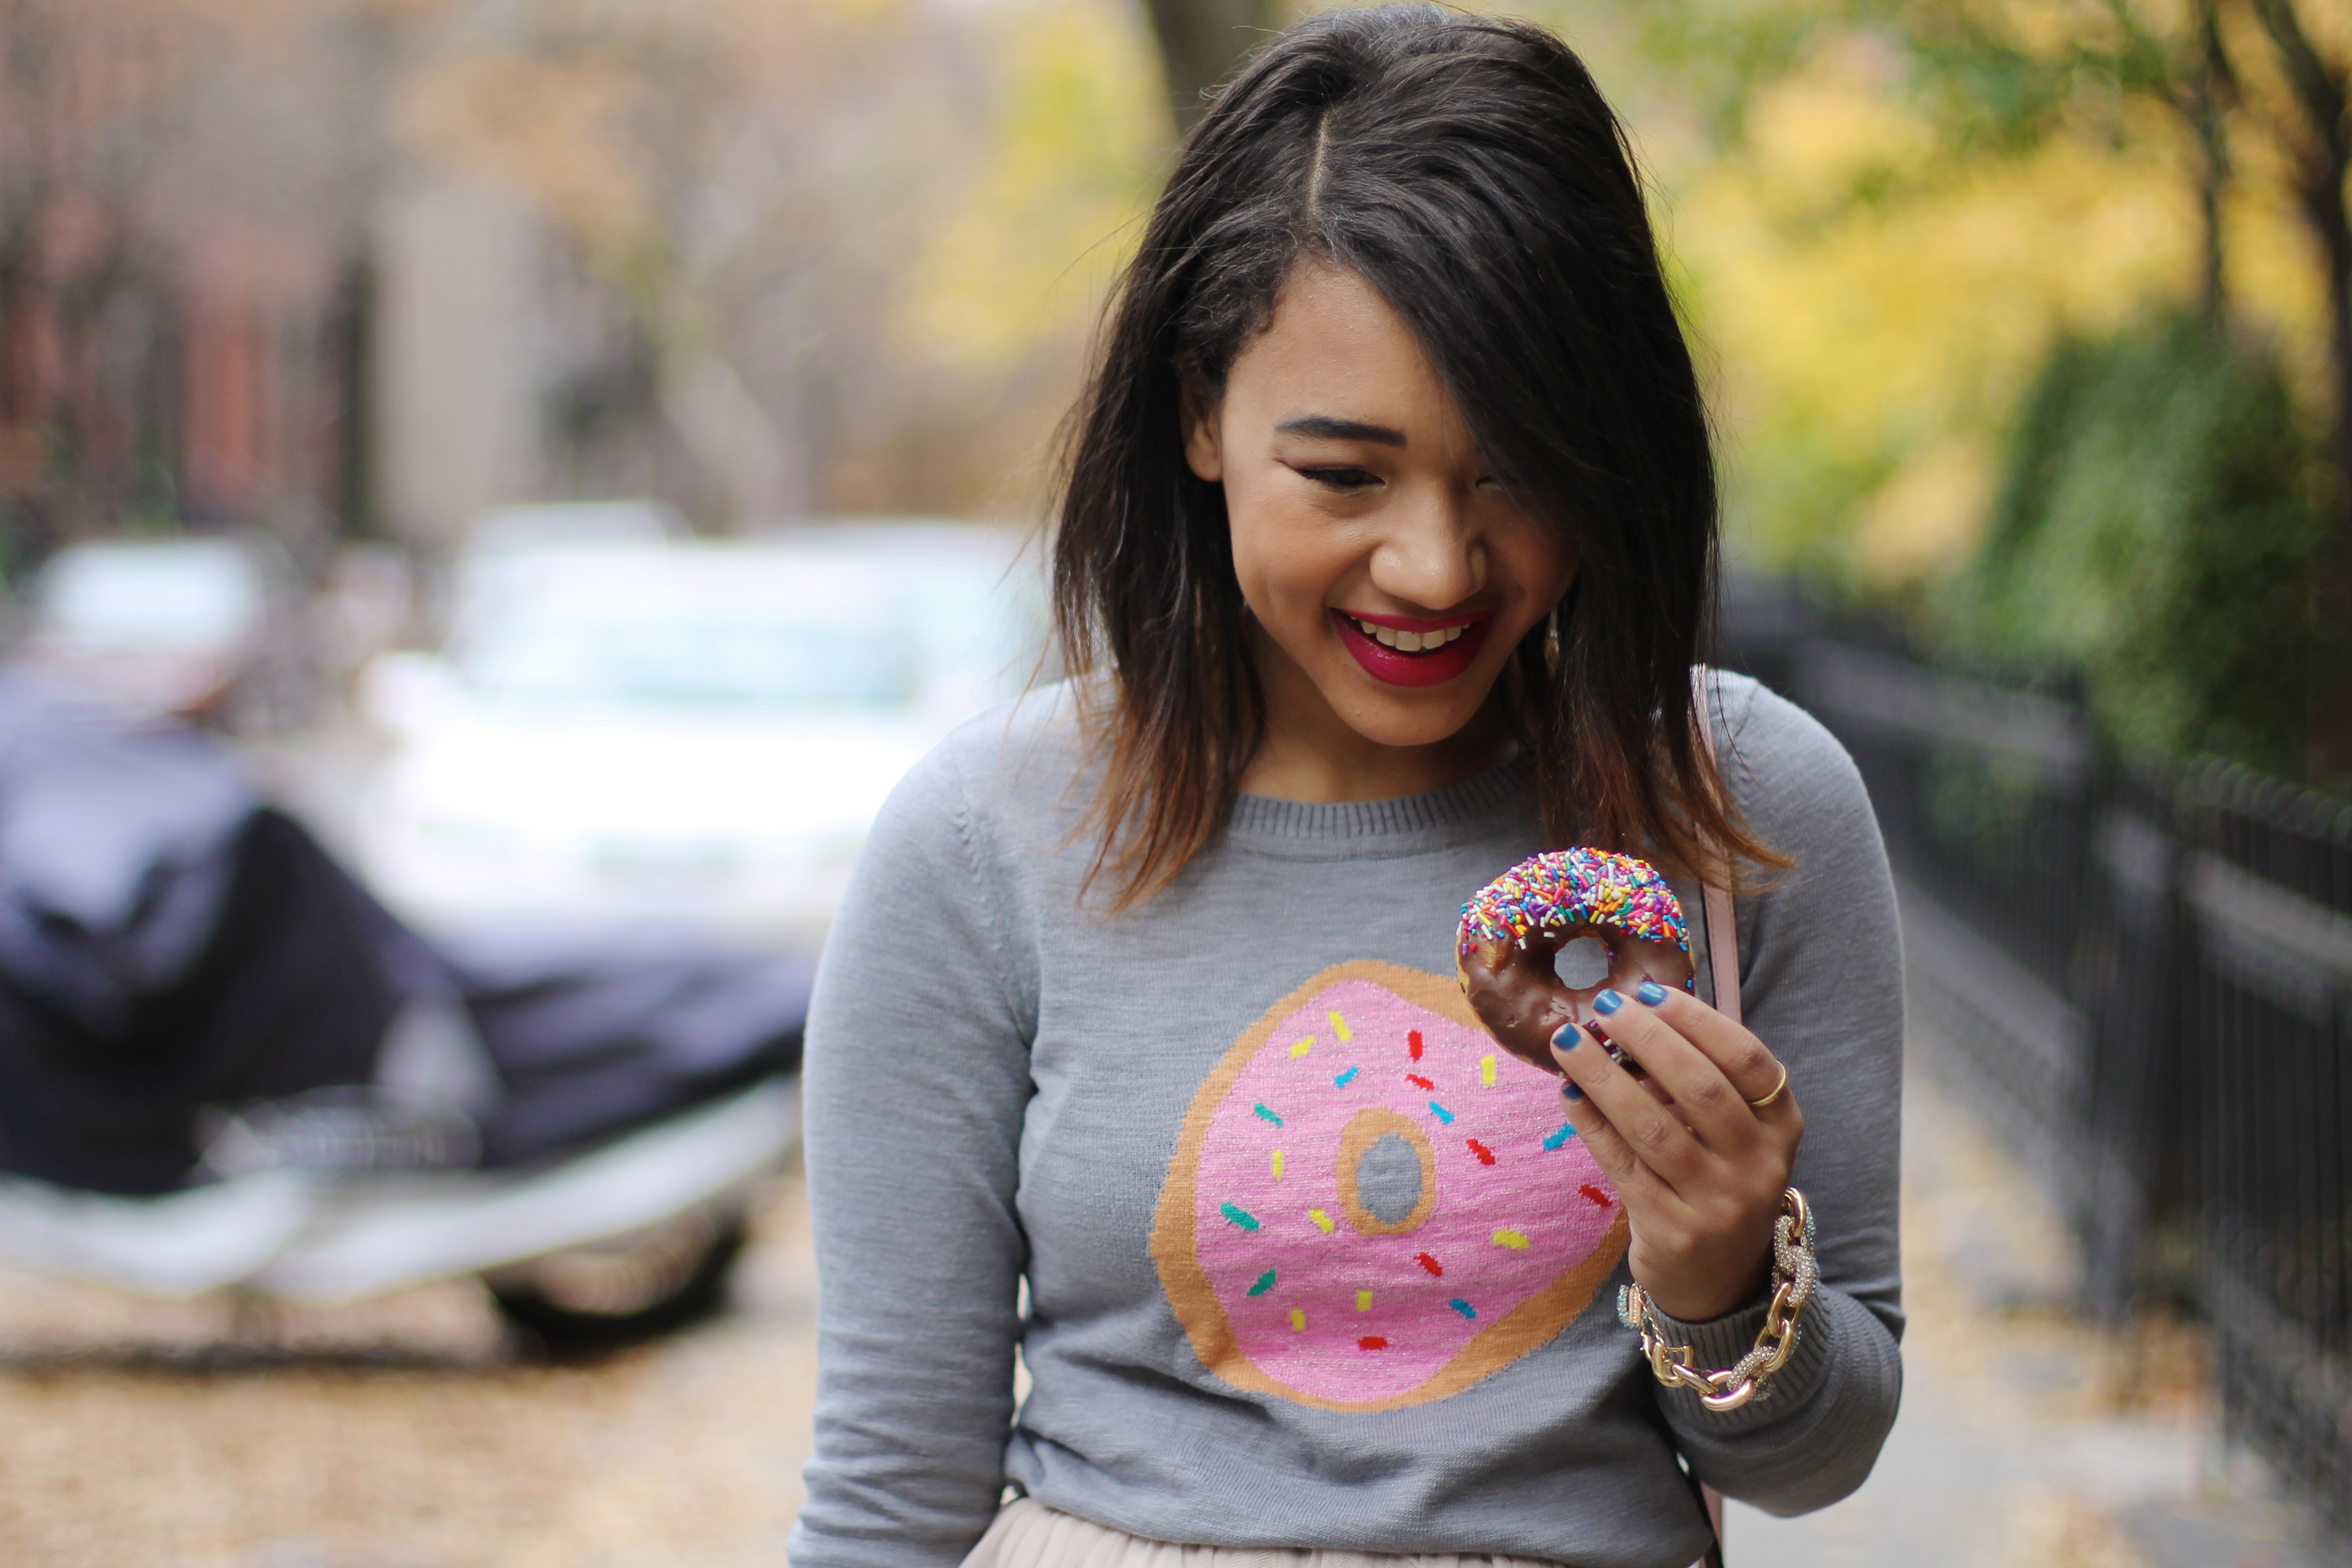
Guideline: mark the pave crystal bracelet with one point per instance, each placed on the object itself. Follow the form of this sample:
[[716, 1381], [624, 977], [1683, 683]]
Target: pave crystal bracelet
[[1794, 1274]]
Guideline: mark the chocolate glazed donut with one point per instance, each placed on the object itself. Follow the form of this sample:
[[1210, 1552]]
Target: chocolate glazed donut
[[1513, 930]]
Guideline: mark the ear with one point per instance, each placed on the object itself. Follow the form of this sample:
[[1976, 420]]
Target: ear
[[1204, 450]]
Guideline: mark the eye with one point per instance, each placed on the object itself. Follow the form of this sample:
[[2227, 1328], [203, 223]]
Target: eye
[[1346, 480]]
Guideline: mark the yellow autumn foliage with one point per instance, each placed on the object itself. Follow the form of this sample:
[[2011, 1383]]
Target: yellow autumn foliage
[[1866, 341], [1079, 137], [1874, 301]]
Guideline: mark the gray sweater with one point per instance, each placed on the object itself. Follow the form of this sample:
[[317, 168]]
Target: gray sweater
[[1308, 1261]]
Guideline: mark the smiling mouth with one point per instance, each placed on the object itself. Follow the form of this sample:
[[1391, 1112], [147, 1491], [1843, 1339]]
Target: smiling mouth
[[1424, 654]]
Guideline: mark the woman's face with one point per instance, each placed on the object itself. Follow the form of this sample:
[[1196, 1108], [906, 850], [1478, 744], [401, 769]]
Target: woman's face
[[1383, 563]]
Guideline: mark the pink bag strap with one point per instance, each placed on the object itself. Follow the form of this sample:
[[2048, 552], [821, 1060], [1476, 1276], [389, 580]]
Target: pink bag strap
[[1722, 930], [1723, 950], [1723, 959]]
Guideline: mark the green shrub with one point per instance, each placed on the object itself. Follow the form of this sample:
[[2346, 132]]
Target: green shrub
[[2156, 532]]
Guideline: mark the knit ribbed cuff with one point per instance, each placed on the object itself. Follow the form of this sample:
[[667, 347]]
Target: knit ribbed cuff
[[1718, 1343]]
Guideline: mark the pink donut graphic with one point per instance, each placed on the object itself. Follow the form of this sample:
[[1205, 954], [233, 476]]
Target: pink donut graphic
[[1373, 1204]]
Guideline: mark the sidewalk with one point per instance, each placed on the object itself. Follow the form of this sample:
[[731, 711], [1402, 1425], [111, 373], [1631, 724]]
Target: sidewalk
[[2026, 1436]]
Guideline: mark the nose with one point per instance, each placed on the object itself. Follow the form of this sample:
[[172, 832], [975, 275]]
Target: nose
[[1431, 555]]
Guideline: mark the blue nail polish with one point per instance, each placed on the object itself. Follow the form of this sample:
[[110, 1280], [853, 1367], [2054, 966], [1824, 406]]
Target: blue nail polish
[[1568, 1089], [1566, 1038], [1607, 1003], [1651, 992]]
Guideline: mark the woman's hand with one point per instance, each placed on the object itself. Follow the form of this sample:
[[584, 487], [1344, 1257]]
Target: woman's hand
[[1701, 1174]]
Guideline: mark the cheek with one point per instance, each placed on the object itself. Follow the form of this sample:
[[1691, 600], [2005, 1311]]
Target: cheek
[[1541, 561], [1287, 557]]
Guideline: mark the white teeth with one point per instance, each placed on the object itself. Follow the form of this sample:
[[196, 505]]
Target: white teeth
[[1409, 642]]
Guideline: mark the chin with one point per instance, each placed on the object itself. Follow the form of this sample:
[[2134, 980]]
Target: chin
[[1385, 721]]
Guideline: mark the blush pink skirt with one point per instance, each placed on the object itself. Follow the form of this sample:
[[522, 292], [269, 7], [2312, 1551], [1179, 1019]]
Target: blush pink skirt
[[1027, 1534]]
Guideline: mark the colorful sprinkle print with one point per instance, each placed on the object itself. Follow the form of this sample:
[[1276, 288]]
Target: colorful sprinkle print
[[1549, 893], [1299, 1269], [1567, 1130]]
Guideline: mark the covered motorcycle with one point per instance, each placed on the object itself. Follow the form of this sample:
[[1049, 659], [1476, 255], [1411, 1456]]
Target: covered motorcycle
[[223, 1063]]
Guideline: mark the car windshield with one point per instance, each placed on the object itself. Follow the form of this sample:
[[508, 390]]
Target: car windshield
[[182, 594], [651, 660], [716, 626]]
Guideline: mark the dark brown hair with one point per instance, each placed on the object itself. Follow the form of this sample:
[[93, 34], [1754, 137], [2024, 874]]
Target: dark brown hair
[[1469, 170]]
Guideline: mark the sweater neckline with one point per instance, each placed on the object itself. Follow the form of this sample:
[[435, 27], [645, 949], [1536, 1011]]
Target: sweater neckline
[[1474, 802]]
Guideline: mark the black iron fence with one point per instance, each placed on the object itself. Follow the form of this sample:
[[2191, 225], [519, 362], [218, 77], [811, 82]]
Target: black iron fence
[[2145, 975], [2265, 894]]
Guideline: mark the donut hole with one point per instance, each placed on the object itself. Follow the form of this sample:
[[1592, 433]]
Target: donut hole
[[1388, 1172], [1582, 964], [1388, 1180]]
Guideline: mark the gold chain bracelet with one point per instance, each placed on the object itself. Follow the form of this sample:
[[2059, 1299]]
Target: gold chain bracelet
[[1794, 1274]]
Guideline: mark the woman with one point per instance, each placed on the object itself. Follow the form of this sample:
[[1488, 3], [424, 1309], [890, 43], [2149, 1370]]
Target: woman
[[1385, 555]]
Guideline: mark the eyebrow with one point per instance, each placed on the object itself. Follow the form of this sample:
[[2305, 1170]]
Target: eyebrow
[[1331, 429]]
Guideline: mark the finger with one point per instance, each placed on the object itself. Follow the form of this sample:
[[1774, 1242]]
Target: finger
[[1638, 1186], [1655, 1135], [1714, 1109], [1744, 1061]]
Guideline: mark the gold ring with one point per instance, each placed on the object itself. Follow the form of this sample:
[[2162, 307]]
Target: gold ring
[[1779, 1089]]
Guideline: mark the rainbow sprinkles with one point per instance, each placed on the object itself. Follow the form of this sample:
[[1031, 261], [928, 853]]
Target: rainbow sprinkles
[[1548, 894]]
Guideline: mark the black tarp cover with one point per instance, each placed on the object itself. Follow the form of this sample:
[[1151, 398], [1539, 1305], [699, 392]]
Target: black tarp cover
[[169, 941]]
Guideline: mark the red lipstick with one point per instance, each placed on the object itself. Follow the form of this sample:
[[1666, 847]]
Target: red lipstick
[[1429, 667]]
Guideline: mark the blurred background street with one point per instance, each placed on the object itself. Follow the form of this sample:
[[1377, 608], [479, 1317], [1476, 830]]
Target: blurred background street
[[494, 492]]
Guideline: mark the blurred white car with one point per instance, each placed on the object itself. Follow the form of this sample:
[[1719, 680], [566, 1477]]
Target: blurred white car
[[203, 629], [695, 733], [508, 540]]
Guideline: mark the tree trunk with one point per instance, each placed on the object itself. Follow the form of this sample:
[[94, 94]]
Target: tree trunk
[[2210, 90], [2323, 197], [351, 334], [2322, 149], [1200, 41]]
